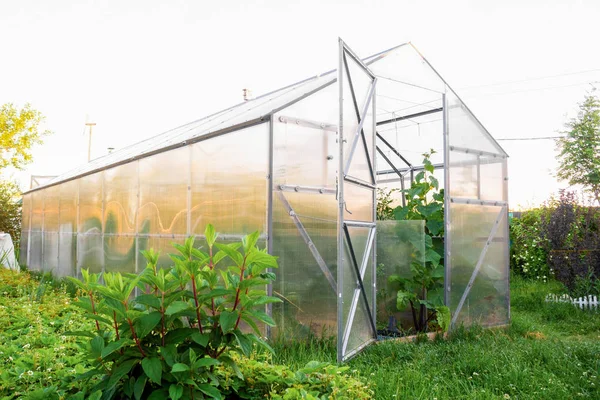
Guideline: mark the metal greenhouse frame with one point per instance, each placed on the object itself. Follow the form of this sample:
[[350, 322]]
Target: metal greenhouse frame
[[301, 165]]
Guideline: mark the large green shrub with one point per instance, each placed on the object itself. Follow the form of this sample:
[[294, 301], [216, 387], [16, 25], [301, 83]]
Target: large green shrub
[[528, 251], [168, 340]]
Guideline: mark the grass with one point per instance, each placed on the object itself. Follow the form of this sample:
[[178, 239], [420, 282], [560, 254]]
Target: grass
[[550, 351]]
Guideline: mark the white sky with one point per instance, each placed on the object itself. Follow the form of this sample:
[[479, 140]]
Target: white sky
[[138, 68]]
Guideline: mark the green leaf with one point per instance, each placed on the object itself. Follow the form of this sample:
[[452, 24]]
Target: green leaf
[[153, 369], [420, 176], [244, 342], [429, 209], [201, 339], [176, 336], [179, 367], [159, 394], [175, 391], [227, 319], [97, 395], [146, 323], [249, 241], [435, 227], [403, 299], [148, 300], [97, 344], [169, 353], [432, 256], [210, 391], [140, 384], [205, 362], [113, 346], [232, 253], [119, 372], [177, 306], [400, 213], [210, 235], [262, 317]]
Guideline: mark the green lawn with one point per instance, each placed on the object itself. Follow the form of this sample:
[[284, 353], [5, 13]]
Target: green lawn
[[551, 351]]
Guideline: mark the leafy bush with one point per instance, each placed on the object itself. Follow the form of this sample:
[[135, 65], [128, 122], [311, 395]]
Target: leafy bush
[[572, 239], [38, 359], [168, 340], [528, 254], [10, 217], [316, 380]]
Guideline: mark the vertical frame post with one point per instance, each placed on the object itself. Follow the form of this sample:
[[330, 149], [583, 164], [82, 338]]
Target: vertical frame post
[[340, 197], [506, 229], [447, 226], [374, 229], [269, 307]]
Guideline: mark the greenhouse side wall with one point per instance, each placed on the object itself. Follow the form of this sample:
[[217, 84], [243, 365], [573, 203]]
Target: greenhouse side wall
[[104, 220], [477, 231]]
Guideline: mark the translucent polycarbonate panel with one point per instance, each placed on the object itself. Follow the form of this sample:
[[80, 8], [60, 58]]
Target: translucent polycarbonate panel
[[315, 109], [90, 254], [303, 155], [51, 209], [37, 211], [405, 65], [359, 202], [119, 254], [68, 195], [358, 167], [465, 133], [67, 255], [411, 139], [471, 227], [164, 180], [23, 248], [90, 204], [491, 172], [121, 199], [164, 246], [35, 251], [357, 328], [476, 177], [229, 181], [50, 255], [26, 212], [309, 297], [399, 244]]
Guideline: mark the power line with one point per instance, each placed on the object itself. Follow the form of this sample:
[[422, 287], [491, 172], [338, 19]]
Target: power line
[[533, 138]]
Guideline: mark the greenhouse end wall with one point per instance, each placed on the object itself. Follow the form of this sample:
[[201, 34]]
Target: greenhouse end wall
[[103, 220]]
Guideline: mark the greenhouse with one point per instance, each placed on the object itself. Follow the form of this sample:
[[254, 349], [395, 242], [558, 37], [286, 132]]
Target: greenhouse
[[303, 165]]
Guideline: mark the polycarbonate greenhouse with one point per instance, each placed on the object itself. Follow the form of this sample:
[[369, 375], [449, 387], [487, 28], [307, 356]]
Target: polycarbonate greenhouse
[[301, 165]]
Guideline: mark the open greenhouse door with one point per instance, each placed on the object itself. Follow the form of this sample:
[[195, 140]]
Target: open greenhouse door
[[356, 202]]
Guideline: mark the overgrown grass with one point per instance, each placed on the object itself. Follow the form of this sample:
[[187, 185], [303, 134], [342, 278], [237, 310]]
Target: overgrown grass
[[550, 351]]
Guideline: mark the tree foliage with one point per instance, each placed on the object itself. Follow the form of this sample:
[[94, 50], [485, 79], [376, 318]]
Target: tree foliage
[[10, 210], [19, 131], [579, 149]]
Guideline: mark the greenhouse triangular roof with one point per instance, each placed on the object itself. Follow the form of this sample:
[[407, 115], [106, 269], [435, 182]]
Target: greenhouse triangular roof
[[248, 113]]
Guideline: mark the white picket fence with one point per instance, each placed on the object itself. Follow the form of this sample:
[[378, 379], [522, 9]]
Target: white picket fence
[[585, 302]]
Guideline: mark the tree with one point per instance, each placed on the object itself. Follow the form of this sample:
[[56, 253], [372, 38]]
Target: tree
[[579, 149], [10, 210], [19, 131]]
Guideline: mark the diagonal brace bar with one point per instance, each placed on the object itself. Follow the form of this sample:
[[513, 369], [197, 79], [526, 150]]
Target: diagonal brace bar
[[461, 303], [309, 242], [355, 297], [359, 278]]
